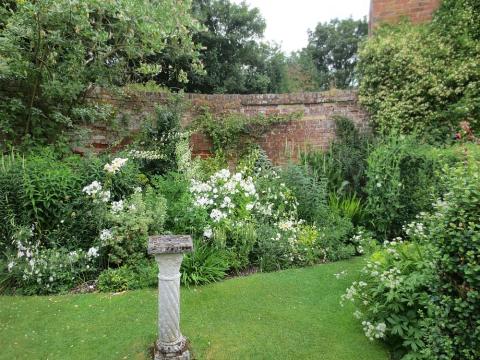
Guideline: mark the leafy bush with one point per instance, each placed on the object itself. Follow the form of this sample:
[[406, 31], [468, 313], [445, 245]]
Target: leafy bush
[[421, 296], [44, 84], [393, 296], [424, 79], [344, 164], [454, 231], [137, 275], [156, 147], [128, 221], [310, 193], [34, 269], [69, 228], [206, 264], [402, 182]]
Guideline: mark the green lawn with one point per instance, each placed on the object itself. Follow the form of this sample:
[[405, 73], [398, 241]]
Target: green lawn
[[293, 314]]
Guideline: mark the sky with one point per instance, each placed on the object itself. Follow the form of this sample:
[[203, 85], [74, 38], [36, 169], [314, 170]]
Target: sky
[[289, 20]]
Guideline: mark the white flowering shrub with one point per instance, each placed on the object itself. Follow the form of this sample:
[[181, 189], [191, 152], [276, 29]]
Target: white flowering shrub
[[228, 199], [226, 196], [34, 269], [127, 222], [393, 293]]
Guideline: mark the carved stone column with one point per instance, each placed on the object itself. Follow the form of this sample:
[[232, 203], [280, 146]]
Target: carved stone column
[[168, 251]]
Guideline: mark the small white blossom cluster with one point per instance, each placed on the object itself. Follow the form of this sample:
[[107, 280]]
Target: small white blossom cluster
[[95, 191], [391, 277], [288, 230], [117, 206], [415, 229], [222, 194], [353, 291], [45, 267], [115, 165], [276, 202], [360, 240], [105, 235], [391, 247], [146, 154], [374, 331]]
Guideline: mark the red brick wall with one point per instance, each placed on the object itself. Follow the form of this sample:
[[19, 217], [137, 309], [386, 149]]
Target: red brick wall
[[388, 11], [315, 129]]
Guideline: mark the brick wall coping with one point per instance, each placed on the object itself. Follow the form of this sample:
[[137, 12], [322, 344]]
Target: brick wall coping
[[304, 98]]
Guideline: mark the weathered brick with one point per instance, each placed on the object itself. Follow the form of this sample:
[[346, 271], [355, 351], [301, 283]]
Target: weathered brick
[[282, 142], [388, 11]]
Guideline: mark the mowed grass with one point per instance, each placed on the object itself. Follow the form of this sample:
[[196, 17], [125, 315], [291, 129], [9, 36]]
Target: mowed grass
[[292, 314]]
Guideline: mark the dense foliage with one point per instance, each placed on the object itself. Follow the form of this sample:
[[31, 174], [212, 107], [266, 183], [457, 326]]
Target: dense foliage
[[425, 78], [402, 181], [421, 291], [53, 52], [232, 55], [333, 47], [233, 132]]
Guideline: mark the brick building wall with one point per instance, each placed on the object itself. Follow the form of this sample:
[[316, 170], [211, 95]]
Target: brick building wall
[[388, 11], [314, 130]]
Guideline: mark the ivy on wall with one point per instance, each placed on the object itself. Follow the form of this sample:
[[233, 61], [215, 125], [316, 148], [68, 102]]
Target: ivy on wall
[[230, 132]]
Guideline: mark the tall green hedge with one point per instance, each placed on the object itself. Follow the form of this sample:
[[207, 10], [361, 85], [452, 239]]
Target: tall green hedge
[[425, 78]]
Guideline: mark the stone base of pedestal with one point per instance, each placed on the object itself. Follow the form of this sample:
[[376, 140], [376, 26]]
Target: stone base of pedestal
[[177, 351]]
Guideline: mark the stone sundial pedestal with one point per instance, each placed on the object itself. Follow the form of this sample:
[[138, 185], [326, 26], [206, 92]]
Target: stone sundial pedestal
[[168, 251]]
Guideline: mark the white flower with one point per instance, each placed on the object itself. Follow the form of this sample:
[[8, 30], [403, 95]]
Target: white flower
[[217, 215], [223, 174], [115, 165], [208, 233], [10, 266], [105, 195], [250, 206], [379, 185], [50, 279], [202, 201], [285, 225], [105, 234], [138, 189], [93, 188], [92, 252], [117, 206], [237, 177]]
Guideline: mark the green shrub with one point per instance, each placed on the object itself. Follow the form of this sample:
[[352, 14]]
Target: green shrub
[[206, 264], [182, 217], [137, 275], [422, 296], [310, 193], [392, 297], [269, 252], [32, 268], [156, 147], [44, 84], [335, 238], [402, 182], [454, 231], [424, 79], [345, 163]]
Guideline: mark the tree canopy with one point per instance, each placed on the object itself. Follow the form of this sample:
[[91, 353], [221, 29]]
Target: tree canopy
[[53, 51]]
